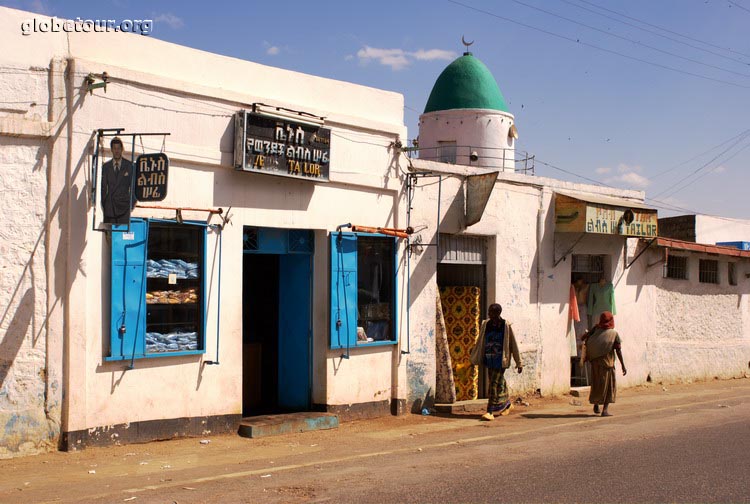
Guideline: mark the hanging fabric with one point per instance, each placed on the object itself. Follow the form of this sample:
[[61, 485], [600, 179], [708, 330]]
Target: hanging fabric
[[445, 386]]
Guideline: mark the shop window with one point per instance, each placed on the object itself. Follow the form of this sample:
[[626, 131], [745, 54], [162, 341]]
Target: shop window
[[363, 290], [708, 271], [676, 267], [732, 273], [158, 298]]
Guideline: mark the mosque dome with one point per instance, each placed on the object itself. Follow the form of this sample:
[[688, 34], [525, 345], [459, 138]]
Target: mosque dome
[[466, 84]]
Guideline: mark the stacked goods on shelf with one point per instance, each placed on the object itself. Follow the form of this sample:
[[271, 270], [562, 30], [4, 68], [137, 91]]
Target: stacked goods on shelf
[[177, 341], [162, 268], [181, 296]]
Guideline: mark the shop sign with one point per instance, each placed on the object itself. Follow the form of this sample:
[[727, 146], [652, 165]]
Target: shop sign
[[578, 216], [151, 172], [277, 146]]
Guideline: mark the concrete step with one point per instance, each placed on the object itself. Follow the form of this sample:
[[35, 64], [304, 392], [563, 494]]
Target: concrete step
[[275, 425], [470, 406], [580, 391]]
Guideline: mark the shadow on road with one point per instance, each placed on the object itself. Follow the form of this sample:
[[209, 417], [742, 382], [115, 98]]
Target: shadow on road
[[571, 415]]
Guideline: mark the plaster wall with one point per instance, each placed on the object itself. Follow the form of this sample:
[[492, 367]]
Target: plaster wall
[[474, 130], [710, 229], [701, 329], [26, 422], [529, 272]]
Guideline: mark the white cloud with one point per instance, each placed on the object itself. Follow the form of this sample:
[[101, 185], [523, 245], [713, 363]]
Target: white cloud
[[399, 59], [623, 168], [170, 19], [348, 57], [394, 58], [628, 175], [719, 169], [433, 54], [273, 50], [635, 180]]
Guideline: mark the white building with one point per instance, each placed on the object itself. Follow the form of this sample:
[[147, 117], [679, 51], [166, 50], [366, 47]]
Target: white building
[[536, 236], [101, 344]]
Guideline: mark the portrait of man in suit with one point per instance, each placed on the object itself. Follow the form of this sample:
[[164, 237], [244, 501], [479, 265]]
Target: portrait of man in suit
[[117, 186]]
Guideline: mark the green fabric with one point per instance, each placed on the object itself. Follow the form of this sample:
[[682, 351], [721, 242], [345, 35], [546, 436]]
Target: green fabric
[[466, 84]]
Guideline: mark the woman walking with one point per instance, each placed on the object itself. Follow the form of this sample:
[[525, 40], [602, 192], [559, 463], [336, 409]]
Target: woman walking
[[602, 343], [494, 347]]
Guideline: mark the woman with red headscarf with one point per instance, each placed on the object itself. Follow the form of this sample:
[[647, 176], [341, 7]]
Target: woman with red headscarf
[[602, 343]]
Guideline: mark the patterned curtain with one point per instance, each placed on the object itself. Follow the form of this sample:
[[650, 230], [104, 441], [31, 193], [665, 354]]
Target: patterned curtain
[[461, 312], [445, 387]]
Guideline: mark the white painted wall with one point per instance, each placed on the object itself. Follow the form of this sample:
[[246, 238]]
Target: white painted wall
[[482, 131], [711, 229], [711, 320]]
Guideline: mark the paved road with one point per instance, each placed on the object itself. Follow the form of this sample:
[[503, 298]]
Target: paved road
[[665, 444]]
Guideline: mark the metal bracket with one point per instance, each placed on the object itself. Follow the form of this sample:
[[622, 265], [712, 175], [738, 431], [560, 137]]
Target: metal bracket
[[91, 83], [639, 254], [565, 254]]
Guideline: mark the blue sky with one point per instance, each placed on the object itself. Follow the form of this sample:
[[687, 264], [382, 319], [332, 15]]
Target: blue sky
[[642, 94]]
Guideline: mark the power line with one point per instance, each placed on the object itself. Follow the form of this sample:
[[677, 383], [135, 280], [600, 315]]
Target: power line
[[656, 33], [655, 202], [698, 62], [698, 155], [676, 190], [664, 29], [610, 51], [738, 5], [742, 138]]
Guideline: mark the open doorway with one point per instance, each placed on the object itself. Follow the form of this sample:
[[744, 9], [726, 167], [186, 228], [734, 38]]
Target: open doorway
[[276, 328], [586, 270], [260, 339]]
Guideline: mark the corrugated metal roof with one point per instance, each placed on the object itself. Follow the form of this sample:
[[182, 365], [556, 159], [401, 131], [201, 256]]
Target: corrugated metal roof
[[701, 247], [607, 200]]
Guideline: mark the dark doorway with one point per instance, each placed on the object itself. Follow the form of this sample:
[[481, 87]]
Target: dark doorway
[[260, 334]]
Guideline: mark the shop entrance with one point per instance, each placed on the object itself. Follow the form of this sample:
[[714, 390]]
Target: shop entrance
[[276, 300], [586, 270], [462, 284]]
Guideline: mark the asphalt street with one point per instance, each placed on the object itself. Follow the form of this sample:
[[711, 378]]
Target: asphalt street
[[665, 443]]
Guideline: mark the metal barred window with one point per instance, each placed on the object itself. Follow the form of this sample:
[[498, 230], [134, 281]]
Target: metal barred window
[[676, 268], [708, 271]]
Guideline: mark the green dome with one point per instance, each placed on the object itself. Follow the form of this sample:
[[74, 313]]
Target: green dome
[[466, 84]]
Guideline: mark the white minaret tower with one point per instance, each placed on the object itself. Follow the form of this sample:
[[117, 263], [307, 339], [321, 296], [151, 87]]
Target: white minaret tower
[[466, 120]]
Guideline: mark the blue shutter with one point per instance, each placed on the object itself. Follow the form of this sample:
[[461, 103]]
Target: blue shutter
[[128, 316], [343, 290]]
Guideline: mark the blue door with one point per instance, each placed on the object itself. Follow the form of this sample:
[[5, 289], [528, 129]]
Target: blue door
[[294, 331]]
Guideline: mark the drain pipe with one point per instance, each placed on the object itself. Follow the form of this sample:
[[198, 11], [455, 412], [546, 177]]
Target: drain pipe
[[219, 229], [539, 273]]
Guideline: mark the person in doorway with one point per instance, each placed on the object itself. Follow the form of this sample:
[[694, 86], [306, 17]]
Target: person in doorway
[[117, 186], [494, 347], [601, 298], [602, 343]]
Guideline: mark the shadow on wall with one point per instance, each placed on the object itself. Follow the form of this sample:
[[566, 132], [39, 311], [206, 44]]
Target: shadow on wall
[[14, 335]]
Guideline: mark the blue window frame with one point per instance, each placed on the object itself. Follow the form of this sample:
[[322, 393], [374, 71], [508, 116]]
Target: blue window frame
[[158, 289], [363, 290]]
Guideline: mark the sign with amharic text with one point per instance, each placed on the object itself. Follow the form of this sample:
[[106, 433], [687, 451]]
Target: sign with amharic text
[[580, 216], [277, 146], [151, 171]]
